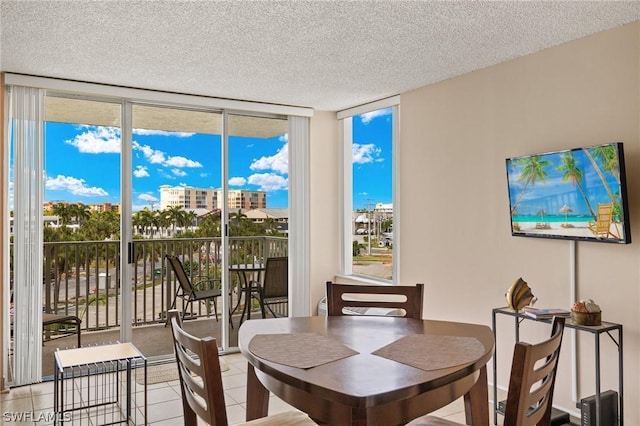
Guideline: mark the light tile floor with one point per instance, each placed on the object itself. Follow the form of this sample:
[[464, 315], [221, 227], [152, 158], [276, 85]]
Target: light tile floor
[[164, 401]]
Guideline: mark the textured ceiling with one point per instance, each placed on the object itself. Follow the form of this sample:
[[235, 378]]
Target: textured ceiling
[[328, 55]]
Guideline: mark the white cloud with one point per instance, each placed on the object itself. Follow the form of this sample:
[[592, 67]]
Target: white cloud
[[366, 153], [269, 181], [181, 162], [278, 162], [367, 117], [147, 197], [152, 155], [97, 140], [147, 132], [204, 175], [155, 156], [73, 185], [284, 137], [141, 171], [178, 172], [237, 181]]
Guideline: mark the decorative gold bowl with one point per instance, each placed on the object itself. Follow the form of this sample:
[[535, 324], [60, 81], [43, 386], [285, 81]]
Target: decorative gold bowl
[[586, 318]]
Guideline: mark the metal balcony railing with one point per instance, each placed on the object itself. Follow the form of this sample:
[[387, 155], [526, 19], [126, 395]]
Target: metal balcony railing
[[83, 277]]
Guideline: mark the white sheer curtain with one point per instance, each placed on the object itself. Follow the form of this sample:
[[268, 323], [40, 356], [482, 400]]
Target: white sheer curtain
[[26, 110], [299, 303]]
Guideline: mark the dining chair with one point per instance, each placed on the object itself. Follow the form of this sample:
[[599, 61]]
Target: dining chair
[[353, 299], [201, 382], [192, 292], [531, 383], [275, 287]]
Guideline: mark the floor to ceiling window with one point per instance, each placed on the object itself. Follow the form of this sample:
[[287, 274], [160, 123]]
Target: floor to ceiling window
[[369, 143], [128, 181]]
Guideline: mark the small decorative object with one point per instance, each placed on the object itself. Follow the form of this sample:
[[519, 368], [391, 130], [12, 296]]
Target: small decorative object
[[519, 295], [586, 312]]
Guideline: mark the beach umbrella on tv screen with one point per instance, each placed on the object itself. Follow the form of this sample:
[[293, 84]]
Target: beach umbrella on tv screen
[[566, 210]]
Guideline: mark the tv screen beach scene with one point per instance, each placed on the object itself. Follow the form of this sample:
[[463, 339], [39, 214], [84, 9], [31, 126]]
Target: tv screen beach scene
[[576, 194]]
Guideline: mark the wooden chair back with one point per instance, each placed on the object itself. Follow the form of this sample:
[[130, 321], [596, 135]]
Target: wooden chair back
[[200, 375], [604, 219], [533, 376], [406, 300]]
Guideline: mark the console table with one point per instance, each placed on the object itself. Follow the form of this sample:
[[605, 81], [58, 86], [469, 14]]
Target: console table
[[605, 328]]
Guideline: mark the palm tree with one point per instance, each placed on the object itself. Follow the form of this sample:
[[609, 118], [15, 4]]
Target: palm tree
[[174, 215], [609, 160], [64, 213], [270, 226], [188, 218], [238, 218], [532, 172], [572, 173], [81, 213]]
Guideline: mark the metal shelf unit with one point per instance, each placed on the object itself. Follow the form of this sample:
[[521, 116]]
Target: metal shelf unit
[[605, 328]]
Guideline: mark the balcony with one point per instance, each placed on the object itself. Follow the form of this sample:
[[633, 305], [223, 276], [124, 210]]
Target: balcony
[[84, 279]]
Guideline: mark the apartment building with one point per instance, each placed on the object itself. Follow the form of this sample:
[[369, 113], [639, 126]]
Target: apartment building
[[207, 198]]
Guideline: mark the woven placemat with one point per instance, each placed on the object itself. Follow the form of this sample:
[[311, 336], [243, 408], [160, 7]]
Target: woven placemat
[[301, 350], [429, 352]]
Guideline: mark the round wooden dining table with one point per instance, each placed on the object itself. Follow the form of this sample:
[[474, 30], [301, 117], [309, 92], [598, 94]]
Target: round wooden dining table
[[366, 370]]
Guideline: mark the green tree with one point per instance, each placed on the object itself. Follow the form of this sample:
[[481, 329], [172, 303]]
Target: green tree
[[572, 173], [533, 171], [64, 213]]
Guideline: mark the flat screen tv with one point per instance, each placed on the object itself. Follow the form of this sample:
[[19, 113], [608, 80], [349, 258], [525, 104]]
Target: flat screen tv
[[577, 194]]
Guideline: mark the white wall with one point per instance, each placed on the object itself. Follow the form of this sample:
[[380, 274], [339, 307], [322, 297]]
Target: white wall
[[325, 196], [455, 137]]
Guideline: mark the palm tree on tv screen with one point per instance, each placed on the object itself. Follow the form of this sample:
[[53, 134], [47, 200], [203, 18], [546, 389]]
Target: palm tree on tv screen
[[533, 171], [572, 173], [608, 157]]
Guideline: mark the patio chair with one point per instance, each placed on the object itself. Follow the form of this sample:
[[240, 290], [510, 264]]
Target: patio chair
[[352, 299], [192, 292], [601, 228], [51, 319], [201, 382], [533, 376], [275, 288]]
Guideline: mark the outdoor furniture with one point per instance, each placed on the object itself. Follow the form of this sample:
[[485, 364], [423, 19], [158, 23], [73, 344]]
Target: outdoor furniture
[[351, 299], [201, 381], [363, 370], [51, 319], [192, 292], [275, 287], [249, 288], [601, 228], [528, 402]]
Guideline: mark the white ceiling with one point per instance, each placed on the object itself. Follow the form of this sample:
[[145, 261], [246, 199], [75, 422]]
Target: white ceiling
[[328, 55]]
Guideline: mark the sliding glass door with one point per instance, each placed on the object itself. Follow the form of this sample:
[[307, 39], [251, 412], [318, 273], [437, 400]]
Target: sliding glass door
[[126, 182], [176, 173]]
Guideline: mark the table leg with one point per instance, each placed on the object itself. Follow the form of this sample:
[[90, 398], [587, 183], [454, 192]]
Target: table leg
[[257, 396], [476, 401]]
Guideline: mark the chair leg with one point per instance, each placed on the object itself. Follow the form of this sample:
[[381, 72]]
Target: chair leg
[[215, 307]]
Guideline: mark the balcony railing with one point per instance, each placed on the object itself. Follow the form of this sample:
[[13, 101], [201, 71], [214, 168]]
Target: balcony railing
[[83, 278]]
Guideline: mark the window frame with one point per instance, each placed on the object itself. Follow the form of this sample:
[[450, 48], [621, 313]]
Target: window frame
[[345, 117]]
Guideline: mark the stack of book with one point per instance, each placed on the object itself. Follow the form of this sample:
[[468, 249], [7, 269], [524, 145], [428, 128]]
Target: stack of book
[[539, 313]]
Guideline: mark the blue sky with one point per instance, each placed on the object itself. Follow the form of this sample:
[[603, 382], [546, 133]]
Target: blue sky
[[553, 194], [372, 159], [82, 163]]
